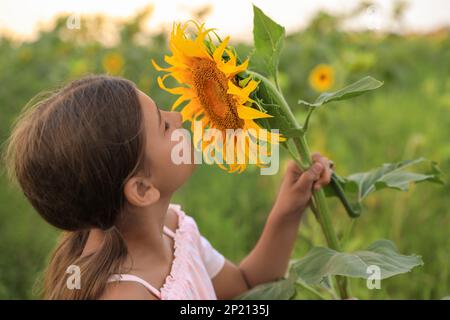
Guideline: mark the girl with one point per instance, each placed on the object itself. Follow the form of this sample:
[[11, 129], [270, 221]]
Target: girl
[[94, 160]]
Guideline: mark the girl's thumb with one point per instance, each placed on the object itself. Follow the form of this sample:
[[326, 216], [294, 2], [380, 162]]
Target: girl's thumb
[[307, 179]]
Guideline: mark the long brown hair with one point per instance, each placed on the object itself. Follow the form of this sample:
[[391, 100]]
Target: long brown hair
[[71, 154]]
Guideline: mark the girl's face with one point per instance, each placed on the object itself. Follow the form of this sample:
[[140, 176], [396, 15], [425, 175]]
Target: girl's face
[[166, 175]]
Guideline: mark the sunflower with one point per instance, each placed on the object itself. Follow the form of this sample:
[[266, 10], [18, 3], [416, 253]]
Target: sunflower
[[321, 77], [214, 94], [113, 63]]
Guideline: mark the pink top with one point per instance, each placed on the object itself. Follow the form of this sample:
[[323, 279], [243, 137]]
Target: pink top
[[195, 263]]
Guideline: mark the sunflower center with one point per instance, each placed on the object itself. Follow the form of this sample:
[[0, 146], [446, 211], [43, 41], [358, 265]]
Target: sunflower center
[[211, 87]]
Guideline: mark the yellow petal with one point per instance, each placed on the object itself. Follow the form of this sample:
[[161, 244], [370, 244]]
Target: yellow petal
[[178, 90], [232, 60], [277, 137], [232, 70], [182, 76], [173, 61], [251, 113], [238, 93], [158, 68], [188, 111], [250, 87], [234, 168], [219, 51], [181, 99]]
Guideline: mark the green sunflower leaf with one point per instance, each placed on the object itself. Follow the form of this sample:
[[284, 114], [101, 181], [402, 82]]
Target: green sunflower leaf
[[278, 290], [396, 176], [268, 37], [321, 262], [353, 90], [268, 103]]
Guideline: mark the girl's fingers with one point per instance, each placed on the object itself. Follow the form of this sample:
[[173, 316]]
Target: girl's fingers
[[308, 178], [292, 172], [317, 176], [325, 177], [316, 156], [293, 168]]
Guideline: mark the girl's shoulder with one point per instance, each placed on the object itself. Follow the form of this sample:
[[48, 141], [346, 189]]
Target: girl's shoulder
[[178, 220], [172, 218], [183, 228]]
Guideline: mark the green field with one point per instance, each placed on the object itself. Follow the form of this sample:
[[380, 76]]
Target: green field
[[407, 118]]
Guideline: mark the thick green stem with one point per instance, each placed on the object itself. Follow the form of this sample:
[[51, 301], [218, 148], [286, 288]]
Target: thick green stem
[[323, 216], [319, 200]]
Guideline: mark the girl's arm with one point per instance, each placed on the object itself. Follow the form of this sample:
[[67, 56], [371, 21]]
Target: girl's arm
[[269, 259]]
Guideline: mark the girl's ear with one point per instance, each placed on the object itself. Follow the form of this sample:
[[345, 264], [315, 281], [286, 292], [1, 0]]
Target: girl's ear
[[141, 192]]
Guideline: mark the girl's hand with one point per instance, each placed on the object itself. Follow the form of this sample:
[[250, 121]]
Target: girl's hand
[[269, 260], [297, 186]]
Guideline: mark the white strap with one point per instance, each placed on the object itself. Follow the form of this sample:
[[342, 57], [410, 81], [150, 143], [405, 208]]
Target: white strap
[[133, 278], [169, 232]]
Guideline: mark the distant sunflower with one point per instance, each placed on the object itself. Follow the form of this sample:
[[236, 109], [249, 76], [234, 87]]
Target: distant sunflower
[[215, 95], [113, 63], [321, 77]]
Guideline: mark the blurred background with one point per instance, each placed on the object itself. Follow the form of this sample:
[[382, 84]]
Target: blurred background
[[406, 44]]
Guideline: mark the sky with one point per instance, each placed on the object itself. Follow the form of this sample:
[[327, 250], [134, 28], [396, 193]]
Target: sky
[[231, 17]]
